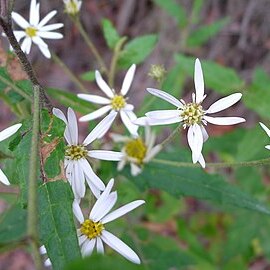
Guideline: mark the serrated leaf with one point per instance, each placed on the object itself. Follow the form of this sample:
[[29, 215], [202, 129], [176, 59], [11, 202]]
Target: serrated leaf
[[173, 9], [137, 50], [202, 34], [222, 79], [57, 229], [110, 33], [70, 100], [185, 181], [13, 225], [88, 76], [257, 96]]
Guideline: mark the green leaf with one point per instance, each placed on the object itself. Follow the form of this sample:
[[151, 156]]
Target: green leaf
[[137, 50], [194, 182], [110, 33], [88, 76], [257, 96], [57, 230], [12, 225], [70, 100], [196, 9], [219, 78], [201, 35], [175, 10]]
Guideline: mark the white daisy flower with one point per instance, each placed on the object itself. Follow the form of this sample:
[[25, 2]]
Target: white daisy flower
[[92, 230], [35, 30], [72, 7], [192, 115], [113, 102], [77, 166], [267, 130], [4, 134], [137, 151]]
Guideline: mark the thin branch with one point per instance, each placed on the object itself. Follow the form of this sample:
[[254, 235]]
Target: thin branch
[[32, 212]]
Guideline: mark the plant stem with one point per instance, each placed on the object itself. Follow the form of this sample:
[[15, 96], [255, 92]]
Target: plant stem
[[115, 57], [253, 163], [32, 213], [15, 88], [90, 44], [171, 136], [70, 74]]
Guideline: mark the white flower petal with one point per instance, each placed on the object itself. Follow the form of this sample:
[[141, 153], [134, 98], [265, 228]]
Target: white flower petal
[[95, 114], [201, 161], [50, 35], [101, 126], [3, 178], [224, 103], [119, 138], [88, 247], [20, 20], [26, 45], [119, 246], [128, 80], [38, 41], [267, 147], [48, 262], [204, 133], [198, 81], [73, 126], [45, 51], [105, 155], [19, 35], [94, 189], [129, 107], [34, 13], [122, 211], [8, 132], [46, 18], [103, 85], [195, 141], [77, 211], [265, 128], [165, 96], [59, 114], [95, 99], [105, 208], [163, 114], [51, 27], [102, 199], [143, 121], [88, 171], [79, 180], [121, 164], [152, 153], [132, 128], [82, 239], [224, 120], [100, 247], [42, 250], [135, 169]]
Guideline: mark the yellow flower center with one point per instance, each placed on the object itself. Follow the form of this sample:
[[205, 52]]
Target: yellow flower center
[[72, 8], [31, 31], [76, 152], [192, 114], [136, 149], [118, 102], [91, 229]]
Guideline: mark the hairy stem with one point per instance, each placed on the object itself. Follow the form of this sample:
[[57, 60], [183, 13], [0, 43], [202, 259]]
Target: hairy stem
[[32, 213], [115, 57], [90, 44], [171, 136], [217, 165], [15, 88], [70, 74]]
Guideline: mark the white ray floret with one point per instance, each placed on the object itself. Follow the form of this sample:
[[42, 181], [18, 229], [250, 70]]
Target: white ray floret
[[116, 102], [92, 232], [267, 130], [72, 7], [4, 134], [36, 30], [137, 151], [193, 116], [78, 169]]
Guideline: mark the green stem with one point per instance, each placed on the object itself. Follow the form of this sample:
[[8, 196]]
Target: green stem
[[70, 74], [115, 57], [15, 88], [32, 213], [253, 163], [171, 136], [90, 44]]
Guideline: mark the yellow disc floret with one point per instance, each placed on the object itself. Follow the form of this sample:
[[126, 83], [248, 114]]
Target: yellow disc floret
[[31, 31], [136, 149], [192, 113], [91, 229], [76, 152], [118, 102]]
